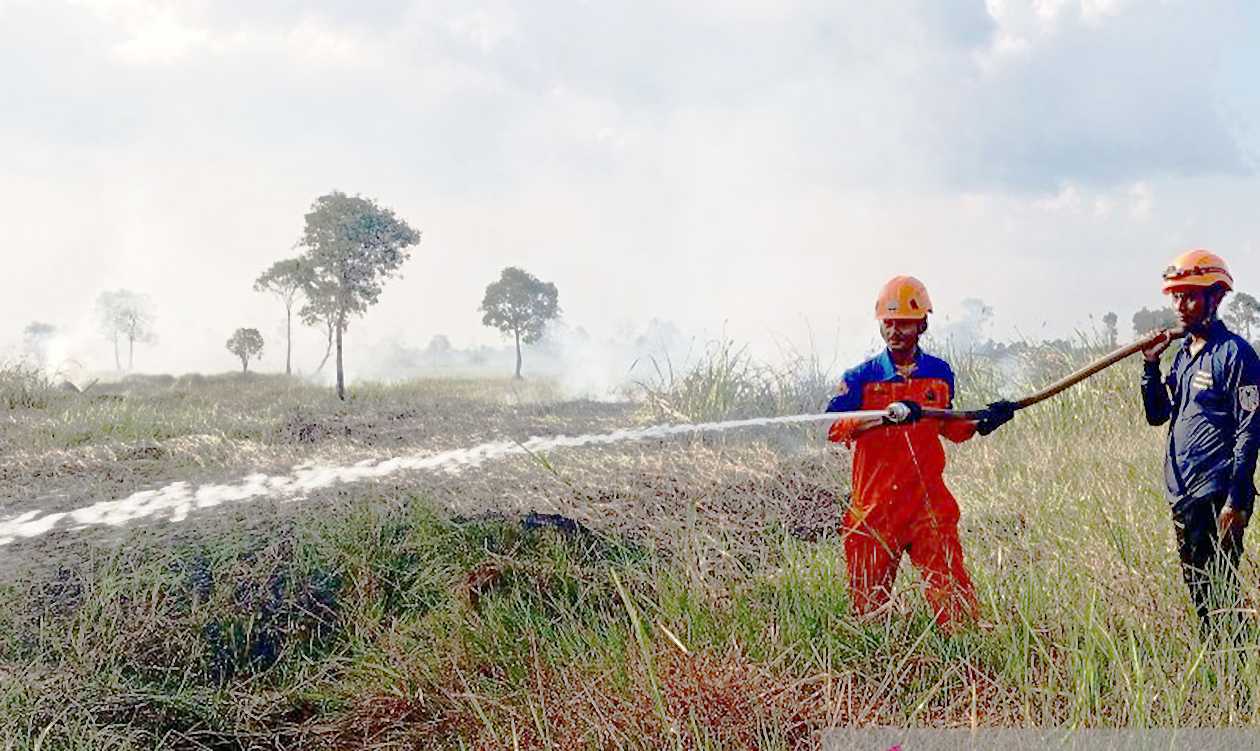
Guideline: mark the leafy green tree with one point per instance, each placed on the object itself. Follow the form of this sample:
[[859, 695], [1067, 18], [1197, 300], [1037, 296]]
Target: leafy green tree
[[285, 279], [246, 344], [1242, 312], [352, 245], [519, 304], [125, 315], [1113, 333], [1146, 321]]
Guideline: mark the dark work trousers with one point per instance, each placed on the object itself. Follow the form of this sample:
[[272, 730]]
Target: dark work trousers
[[1209, 564]]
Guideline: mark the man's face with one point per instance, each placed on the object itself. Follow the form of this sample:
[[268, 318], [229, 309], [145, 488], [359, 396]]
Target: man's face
[[901, 335], [1195, 306]]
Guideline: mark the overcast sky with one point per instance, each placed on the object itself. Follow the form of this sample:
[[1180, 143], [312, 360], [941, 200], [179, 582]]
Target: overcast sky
[[754, 165]]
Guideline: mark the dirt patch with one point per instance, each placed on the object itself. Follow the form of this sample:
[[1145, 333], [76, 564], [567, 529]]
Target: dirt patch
[[307, 429], [381, 721], [480, 580], [689, 701], [810, 509], [146, 451]]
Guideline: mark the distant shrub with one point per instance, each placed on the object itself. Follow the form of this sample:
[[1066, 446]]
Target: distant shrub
[[144, 379], [190, 380]]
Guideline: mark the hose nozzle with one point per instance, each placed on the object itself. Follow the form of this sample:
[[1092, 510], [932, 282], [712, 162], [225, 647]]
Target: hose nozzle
[[898, 412]]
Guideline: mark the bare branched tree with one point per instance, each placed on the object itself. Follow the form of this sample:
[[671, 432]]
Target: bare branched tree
[[125, 316], [285, 279]]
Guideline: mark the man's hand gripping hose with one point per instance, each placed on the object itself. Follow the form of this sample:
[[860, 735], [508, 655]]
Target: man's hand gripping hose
[[1000, 412]]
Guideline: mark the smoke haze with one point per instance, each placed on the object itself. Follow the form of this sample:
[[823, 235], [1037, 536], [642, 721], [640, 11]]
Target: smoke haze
[[746, 169]]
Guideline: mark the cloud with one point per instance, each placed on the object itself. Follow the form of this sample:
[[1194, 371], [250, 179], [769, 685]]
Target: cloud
[[1009, 95], [1105, 93], [1068, 199], [1143, 199], [160, 36], [754, 164], [1137, 198], [484, 29]]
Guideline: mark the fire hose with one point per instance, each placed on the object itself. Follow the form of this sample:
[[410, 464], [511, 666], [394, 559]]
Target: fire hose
[[1047, 392]]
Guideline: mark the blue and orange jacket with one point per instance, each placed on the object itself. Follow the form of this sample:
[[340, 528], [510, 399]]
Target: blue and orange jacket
[[902, 465]]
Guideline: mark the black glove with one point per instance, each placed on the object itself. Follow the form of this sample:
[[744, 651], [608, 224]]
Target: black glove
[[995, 416], [903, 413]]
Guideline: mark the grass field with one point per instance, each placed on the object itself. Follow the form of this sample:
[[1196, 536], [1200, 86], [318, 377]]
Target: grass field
[[701, 605]]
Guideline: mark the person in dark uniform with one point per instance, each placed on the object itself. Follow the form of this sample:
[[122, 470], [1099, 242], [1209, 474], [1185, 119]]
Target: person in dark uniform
[[1209, 398]]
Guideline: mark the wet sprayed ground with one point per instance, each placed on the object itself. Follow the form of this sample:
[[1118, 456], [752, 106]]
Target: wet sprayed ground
[[200, 457]]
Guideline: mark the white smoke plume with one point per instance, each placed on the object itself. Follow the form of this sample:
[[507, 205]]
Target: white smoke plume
[[586, 366]]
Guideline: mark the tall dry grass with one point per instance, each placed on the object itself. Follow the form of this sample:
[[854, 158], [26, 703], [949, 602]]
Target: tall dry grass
[[24, 385], [727, 383], [389, 624]]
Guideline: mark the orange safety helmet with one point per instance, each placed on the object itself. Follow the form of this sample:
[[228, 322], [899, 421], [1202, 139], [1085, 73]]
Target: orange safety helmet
[[903, 297], [1197, 268]]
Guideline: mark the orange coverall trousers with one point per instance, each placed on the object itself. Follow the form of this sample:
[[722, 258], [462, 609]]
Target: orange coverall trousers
[[900, 504]]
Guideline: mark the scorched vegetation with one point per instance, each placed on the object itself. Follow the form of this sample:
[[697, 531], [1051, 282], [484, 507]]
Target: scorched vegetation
[[682, 594]]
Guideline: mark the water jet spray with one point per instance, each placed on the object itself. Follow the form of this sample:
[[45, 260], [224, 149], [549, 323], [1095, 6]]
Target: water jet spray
[[176, 500]]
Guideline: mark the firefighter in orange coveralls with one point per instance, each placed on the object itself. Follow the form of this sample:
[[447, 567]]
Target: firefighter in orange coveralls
[[900, 503]]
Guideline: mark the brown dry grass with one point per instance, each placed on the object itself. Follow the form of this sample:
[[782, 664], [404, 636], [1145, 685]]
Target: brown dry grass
[[473, 631]]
